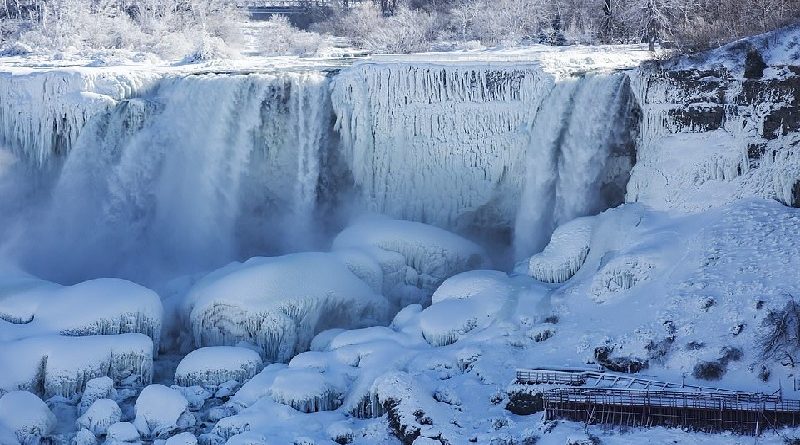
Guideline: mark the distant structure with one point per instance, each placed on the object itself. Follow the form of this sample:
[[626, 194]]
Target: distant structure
[[264, 9], [597, 397]]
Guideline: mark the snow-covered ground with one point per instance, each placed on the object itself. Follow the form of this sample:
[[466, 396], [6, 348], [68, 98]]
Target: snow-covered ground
[[205, 180]]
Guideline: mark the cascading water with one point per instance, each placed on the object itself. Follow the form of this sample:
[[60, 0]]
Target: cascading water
[[579, 157], [181, 179]]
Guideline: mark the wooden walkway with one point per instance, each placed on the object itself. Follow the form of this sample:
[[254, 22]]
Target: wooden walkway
[[596, 397]]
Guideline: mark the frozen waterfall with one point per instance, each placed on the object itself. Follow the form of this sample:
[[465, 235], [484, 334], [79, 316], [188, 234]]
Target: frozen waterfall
[[199, 171], [169, 174]]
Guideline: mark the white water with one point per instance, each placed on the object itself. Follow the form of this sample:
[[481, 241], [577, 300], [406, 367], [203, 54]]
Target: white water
[[199, 172]]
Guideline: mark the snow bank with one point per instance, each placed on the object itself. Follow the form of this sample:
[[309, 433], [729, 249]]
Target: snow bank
[[159, 411], [26, 416], [272, 303], [564, 254], [212, 366], [412, 255]]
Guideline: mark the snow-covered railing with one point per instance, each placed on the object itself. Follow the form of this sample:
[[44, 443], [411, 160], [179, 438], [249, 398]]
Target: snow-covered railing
[[600, 379]]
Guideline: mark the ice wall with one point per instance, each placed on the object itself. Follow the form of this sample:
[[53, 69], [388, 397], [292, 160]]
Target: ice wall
[[439, 144]]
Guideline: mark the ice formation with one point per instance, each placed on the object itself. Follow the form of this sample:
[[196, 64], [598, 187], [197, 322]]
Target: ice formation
[[122, 433], [415, 257], [182, 439], [257, 163], [438, 144], [468, 301], [159, 410], [26, 416], [96, 389], [59, 365], [42, 114], [308, 390], [212, 366], [101, 414], [564, 254], [577, 163], [272, 303]]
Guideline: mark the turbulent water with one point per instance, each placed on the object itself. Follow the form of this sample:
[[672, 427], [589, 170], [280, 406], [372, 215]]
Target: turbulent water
[[190, 172]]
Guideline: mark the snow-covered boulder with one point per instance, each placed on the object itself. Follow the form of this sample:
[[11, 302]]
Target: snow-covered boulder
[[96, 389], [27, 416], [308, 390], [101, 414], [62, 365], [415, 258], [564, 254], [182, 439], [280, 303], [104, 306], [84, 437], [122, 433], [159, 410], [468, 301], [214, 365]]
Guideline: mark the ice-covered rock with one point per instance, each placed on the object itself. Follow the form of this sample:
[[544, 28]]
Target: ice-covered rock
[[101, 307], [84, 437], [195, 395], [212, 366], [122, 433], [620, 274], [27, 416], [467, 301], [564, 254], [182, 439], [101, 414], [308, 390], [158, 410], [96, 389], [62, 365], [274, 304], [412, 255]]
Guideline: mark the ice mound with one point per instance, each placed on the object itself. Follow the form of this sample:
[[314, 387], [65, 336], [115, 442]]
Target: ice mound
[[160, 410], [26, 416], [101, 307], [564, 254], [84, 437], [416, 258], [96, 389], [620, 274], [308, 390], [61, 365], [212, 366], [102, 414], [465, 302], [182, 439], [122, 433], [280, 303]]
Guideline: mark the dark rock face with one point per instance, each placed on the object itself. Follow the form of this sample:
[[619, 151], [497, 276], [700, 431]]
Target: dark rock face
[[524, 400], [756, 107], [603, 357], [754, 65]]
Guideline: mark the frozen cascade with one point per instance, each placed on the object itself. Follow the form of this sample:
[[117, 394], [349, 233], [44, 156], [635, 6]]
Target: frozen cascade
[[580, 156], [438, 144], [203, 170]]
